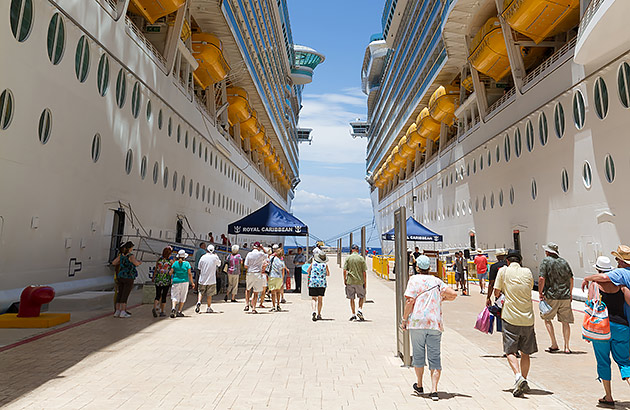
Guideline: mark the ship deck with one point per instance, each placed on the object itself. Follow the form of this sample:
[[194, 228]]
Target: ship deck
[[285, 361]]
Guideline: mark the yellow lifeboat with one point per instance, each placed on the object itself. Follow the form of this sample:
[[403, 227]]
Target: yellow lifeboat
[[467, 83], [154, 9], [397, 159], [442, 104], [258, 140], [238, 109], [539, 19], [208, 51], [405, 149], [265, 149], [414, 139], [428, 128], [488, 53], [250, 127]]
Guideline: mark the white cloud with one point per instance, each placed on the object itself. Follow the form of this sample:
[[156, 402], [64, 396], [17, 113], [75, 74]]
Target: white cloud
[[314, 204]]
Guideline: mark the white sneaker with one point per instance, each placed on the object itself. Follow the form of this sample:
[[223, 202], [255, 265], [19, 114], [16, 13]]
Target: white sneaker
[[124, 314], [209, 310], [117, 313]]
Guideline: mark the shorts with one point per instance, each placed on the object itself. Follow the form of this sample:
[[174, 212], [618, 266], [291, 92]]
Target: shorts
[[355, 291], [519, 338], [314, 292], [208, 290], [561, 307], [275, 283], [179, 291], [482, 276], [426, 342], [255, 283]]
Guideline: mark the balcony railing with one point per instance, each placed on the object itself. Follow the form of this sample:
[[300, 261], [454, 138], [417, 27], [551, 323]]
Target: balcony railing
[[557, 58], [135, 32], [591, 9], [502, 102]]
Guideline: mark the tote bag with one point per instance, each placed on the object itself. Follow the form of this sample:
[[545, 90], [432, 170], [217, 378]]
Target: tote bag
[[483, 321], [596, 325]]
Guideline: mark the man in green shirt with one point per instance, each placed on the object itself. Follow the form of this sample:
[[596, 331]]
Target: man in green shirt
[[354, 277]]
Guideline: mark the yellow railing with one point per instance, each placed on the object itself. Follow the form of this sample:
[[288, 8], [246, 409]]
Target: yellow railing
[[380, 265]]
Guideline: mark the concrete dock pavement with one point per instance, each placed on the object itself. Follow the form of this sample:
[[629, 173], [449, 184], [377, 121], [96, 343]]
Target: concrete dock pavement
[[284, 360]]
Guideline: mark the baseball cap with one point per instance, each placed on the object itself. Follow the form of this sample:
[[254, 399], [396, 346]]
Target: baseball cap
[[423, 262]]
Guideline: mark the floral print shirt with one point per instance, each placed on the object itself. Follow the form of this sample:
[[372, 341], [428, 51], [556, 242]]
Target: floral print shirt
[[427, 310], [317, 278], [162, 273]]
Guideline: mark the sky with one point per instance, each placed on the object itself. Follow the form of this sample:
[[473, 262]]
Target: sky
[[333, 196]]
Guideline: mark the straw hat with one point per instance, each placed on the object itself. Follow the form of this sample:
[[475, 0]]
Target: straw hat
[[321, 257], [623, 253], [501, 252], [480, 251], [603, 264], [551, 248], [182, 254]]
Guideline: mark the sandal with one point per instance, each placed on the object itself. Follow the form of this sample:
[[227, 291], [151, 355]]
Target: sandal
[[606, 402], [568, 351], [552, 350]]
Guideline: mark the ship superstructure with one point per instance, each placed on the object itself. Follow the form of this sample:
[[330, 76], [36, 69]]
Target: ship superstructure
[[161, 121], [500, 123]]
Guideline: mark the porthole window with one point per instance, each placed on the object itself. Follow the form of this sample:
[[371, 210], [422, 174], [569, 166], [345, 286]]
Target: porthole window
[[45, 125], [121, 88], [6, 109], [543, 131], [468, 169], [165, 179], [579, 110], [56, 39], [170, 127], [129, 161], [481, 162], [149, 110], [623, 84], [183, 185], [498, 154], [507, 150], [564, 181], [197, 191], [501, 198], [82, 59], [160, 119], [194, 145], [102, 75], [558, 116], [483, 203], [156, 172], [96, 147], [477, 204], [609, 168], [529, 135], [179, 133], [199, 149], [489, 158], [175, 181], [463, 208], [511, 195], [601, 98], [517, 143], [206, 152], [492, 200], [203, 193], [143, 167], [186, 140], [534, 189], [136, 100], [21, 18], [190, 188], [587, 174]]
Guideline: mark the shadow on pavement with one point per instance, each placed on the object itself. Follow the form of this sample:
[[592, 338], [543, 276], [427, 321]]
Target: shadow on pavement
[[532, 392]]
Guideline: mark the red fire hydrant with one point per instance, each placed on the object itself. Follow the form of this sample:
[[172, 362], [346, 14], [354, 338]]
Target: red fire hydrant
[[32, 299]]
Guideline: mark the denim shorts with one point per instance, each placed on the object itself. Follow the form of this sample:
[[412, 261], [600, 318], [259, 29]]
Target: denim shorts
[[426, 342]]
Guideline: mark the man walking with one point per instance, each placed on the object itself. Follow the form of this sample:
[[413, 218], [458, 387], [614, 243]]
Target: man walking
[[555, 286], [481, 262], [255, 276], [208, 265], [298, 260], [460, 278], [354, 277], [516, 284], [201, 250], [494, 270]]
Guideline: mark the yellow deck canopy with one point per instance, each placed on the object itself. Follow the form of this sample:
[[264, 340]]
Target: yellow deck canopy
[[539, 19], [208, 51]]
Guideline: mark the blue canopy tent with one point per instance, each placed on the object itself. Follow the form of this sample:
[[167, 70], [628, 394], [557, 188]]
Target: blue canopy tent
[[415, 232], [269, 220]]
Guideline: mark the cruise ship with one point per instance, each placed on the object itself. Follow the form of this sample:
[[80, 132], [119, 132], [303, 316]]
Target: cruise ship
[[502, 123], [158, 121]]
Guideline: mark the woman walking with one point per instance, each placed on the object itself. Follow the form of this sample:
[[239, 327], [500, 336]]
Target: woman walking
[[276, 278], [423, 317], [162, 280], [182, 276], [234, 261], [317, 273], [619, 344], [125, 277]]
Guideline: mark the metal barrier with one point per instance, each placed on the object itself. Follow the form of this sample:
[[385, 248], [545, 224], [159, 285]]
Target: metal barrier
[[381, 265]]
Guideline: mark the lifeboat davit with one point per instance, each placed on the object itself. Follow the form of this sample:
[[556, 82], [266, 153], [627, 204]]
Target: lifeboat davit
[[428, 128], [208, 51], [488, 53], [443, 103], [250, 127], [539, 19], [154, 9], [238, 108]]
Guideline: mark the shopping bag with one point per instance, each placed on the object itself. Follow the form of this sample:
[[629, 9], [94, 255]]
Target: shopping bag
[[596, 325], [544, 307], [491, 327], [483, 321]]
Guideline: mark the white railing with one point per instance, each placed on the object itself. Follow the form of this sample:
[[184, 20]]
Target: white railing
[[505, 98], [147, 45], [553, 61], [590, 11]]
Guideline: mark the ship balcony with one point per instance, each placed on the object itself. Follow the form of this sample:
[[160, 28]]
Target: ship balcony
[[601, 36], [304, 135], [360, 128], [301, 75], [306, 59]]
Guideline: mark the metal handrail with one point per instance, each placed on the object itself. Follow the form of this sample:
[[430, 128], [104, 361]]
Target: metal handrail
[[501, 101], [145, 42], [554, 58], [590, 11]]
